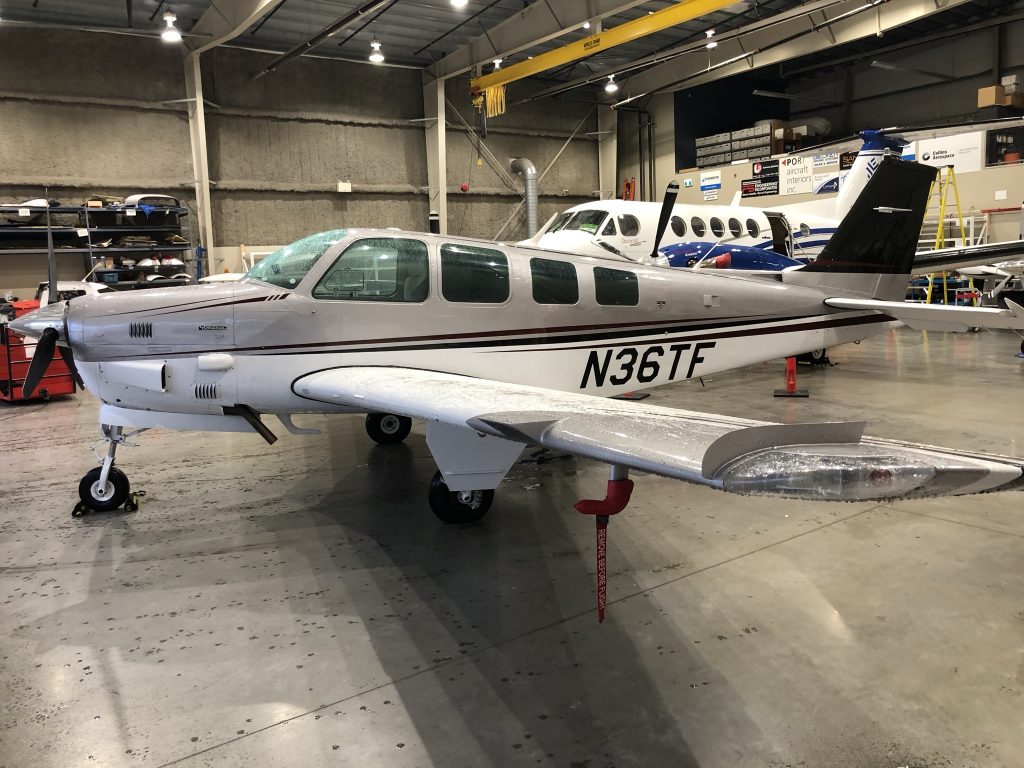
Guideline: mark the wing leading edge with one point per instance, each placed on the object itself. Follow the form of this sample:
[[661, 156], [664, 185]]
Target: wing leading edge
[[822, 461]]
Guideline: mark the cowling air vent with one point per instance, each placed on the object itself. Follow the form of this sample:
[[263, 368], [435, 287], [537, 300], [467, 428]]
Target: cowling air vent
[[140, 330], [207, 391]]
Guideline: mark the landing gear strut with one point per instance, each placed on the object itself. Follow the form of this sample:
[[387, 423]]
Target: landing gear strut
[[387, 428], [106, 487], [458, 506]]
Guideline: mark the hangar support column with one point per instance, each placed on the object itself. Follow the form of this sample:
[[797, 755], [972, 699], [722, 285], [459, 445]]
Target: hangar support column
[[437, 156], [200, 163]]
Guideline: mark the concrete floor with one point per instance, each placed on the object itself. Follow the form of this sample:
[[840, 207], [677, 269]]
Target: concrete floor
[[298, 604]]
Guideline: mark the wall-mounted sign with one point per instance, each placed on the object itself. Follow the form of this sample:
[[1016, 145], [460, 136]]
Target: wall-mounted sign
[[759, 186], [796, 176], [963, 152], [846, 160], [827, 160], [766, 169], [711, 180]]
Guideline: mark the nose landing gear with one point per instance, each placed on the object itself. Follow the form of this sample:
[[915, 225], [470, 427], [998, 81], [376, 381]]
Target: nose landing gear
[[105, 488]]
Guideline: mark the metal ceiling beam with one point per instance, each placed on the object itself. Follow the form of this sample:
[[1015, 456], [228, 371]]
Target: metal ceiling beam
[[539, 22], [694, 46], [686, 10], [225, 20], [844, 23]]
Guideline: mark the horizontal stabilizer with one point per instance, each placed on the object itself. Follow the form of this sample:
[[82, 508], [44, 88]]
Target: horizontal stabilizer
[[949, 259], [938, 316], [829, 461]]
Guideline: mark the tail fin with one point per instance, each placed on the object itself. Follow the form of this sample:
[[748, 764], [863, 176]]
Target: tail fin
[[874, 147], [879, 235]]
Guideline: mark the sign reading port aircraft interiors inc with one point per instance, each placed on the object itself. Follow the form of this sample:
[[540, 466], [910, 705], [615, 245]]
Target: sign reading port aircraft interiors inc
[[796, 176]]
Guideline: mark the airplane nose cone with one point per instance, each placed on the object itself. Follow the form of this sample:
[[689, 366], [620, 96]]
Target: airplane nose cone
[[34, 323]]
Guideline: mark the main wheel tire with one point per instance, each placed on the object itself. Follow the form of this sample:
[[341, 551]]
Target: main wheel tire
[[112, 496], [817, 357], [387, 428], [458, 506]]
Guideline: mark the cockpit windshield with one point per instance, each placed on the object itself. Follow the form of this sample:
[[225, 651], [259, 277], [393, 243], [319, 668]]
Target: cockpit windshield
[[585, 221], [287, 266]]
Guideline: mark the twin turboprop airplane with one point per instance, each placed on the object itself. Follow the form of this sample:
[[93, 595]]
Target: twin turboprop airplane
[[749, 238], [498, 347]]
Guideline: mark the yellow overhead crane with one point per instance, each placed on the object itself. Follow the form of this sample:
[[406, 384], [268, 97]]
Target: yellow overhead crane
[[492, 86]]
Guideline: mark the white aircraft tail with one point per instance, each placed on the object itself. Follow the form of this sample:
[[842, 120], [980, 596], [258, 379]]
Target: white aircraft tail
[[876, 146]]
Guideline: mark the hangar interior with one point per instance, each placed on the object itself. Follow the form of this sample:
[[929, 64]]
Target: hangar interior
[[297, 603]]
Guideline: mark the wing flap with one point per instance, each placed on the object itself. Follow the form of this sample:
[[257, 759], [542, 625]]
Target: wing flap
[[937, 316]]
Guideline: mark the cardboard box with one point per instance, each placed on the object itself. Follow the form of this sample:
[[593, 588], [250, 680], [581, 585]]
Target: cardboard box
[[1010, 89], [1015, 100], [990, 96], [1010, 80]]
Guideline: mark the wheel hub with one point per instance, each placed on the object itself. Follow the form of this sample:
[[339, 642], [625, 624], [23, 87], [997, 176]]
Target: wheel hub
[[470, 499], [390, 424], [102, 492]]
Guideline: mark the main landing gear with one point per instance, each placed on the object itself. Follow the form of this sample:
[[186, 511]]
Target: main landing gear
[[387, 428], [105, 488], [458, 506]]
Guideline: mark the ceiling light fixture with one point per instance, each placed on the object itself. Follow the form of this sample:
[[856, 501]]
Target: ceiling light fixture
[[586, 25], [170, 34], [497, 63], [376, 55], [611, 86], [459, 3], [711, 43]]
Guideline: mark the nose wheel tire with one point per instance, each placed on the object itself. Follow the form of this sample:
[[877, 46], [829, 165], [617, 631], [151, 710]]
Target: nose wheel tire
[[387, 428], [107, 497], [458, 507]]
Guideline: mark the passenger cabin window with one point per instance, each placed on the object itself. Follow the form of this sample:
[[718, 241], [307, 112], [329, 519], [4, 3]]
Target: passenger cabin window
[[378, 269], [752, 228], [717, 227], [629, 225], [805, 230], [616, 287], [735, 228], [554, 282], [678, 226], [609, 228], [697, 225], [474, 275]]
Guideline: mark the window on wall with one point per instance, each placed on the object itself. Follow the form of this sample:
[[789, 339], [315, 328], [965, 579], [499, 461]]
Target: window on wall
[[616, 287], [717, 227], [678, 226], [735, 228], [554, 282], [697, 225], [378, 269], [629, 225], [474, 275]]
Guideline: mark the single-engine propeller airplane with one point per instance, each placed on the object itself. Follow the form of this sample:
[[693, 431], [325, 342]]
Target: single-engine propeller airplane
[[499, 347]]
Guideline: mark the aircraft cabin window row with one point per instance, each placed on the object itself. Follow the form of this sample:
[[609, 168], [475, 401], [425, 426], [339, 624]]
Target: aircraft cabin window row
[[378, 269], [717, 227], [753, 229], [629, 225], [678, 226], [473, 274], [697, 225], [735, 228]]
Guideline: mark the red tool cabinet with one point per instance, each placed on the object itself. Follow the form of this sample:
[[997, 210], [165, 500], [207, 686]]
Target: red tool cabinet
[[15, 357]]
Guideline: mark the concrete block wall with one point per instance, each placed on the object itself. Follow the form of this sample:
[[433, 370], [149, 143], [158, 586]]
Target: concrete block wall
[[101, 118], [84, 114]]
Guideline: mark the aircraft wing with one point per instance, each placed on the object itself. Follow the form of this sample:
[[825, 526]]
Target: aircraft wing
[[824, 461], [939, 316], [950, 259]]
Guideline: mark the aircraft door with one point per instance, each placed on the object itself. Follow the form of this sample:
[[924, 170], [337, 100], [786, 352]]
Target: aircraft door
[[782, 235]]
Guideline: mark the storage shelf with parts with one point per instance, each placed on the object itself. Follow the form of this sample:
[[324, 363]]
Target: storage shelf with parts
[[126, 246]]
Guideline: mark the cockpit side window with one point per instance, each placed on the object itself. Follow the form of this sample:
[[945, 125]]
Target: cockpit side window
[[609, 228], [287, 266], [588, 221], [629, 225], [378, 269]]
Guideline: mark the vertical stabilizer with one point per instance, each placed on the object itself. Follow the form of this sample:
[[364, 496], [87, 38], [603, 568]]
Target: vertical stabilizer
[[870, 155]]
